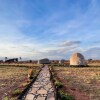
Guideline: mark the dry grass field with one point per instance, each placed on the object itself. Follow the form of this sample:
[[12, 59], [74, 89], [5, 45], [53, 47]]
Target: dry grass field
[[13, 81], [82, 83]]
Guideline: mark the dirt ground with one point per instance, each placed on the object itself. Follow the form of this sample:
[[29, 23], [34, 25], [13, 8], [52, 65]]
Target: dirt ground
[[11, 79], [81, 83]]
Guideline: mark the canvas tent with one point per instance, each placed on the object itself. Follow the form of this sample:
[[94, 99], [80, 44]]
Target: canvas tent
[[44, 61], [77, 59]]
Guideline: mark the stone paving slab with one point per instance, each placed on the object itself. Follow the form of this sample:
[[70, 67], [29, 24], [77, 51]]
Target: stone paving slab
[[42, 88]]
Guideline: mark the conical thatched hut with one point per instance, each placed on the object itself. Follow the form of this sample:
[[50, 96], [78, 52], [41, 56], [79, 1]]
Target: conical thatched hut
[[77, 59]]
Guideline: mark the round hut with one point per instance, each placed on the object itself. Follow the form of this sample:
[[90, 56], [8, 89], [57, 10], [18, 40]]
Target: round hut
[[61, 61], [44, 61], [77, 59]]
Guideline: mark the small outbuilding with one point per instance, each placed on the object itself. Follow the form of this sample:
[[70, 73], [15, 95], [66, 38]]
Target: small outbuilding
[[77, 59], [44, 61], [61, 61], [11, 60]]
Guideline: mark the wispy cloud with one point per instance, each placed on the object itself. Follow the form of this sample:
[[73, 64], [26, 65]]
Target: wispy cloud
[[70, 43], [93, 53]]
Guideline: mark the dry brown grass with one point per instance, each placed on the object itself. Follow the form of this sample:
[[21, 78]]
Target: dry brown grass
[[86, 80], [13, 78]]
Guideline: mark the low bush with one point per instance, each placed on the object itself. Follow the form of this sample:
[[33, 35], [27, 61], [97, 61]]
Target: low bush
[[5, 98], [17, 92], [65, 96], [58, 84]]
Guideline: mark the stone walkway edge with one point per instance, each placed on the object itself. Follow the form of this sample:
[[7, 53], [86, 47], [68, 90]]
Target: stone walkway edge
[[42, 88]]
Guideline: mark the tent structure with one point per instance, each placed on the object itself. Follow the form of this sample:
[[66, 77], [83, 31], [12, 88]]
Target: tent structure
[[77, 59], [44, 61]]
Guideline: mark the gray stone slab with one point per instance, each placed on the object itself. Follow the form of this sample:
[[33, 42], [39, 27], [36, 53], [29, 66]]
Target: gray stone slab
[[50, 96], [41, 98], [42, 87], [29, 97], [42, 92]]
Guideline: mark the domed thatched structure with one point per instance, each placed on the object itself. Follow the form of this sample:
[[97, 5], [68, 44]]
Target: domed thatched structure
[[44, 61], [77, 59]]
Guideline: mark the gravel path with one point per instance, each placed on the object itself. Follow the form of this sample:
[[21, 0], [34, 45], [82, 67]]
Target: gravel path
[[42, 88]]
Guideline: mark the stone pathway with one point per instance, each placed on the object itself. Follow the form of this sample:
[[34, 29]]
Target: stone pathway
[[42, 88]]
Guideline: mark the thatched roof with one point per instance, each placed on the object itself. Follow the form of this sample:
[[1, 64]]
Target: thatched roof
[[77, 59], [44, 61]]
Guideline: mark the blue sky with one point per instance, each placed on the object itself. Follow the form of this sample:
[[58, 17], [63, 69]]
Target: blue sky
[[54, 29]]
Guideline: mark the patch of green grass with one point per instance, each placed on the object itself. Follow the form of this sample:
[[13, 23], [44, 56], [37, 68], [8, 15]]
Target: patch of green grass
[[5, 98], [65, 96], [16, 92], [54, 79], [58, 84]]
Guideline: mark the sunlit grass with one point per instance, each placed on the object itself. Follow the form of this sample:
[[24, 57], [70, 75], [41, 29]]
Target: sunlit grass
[[85, 79], [13, 78]]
